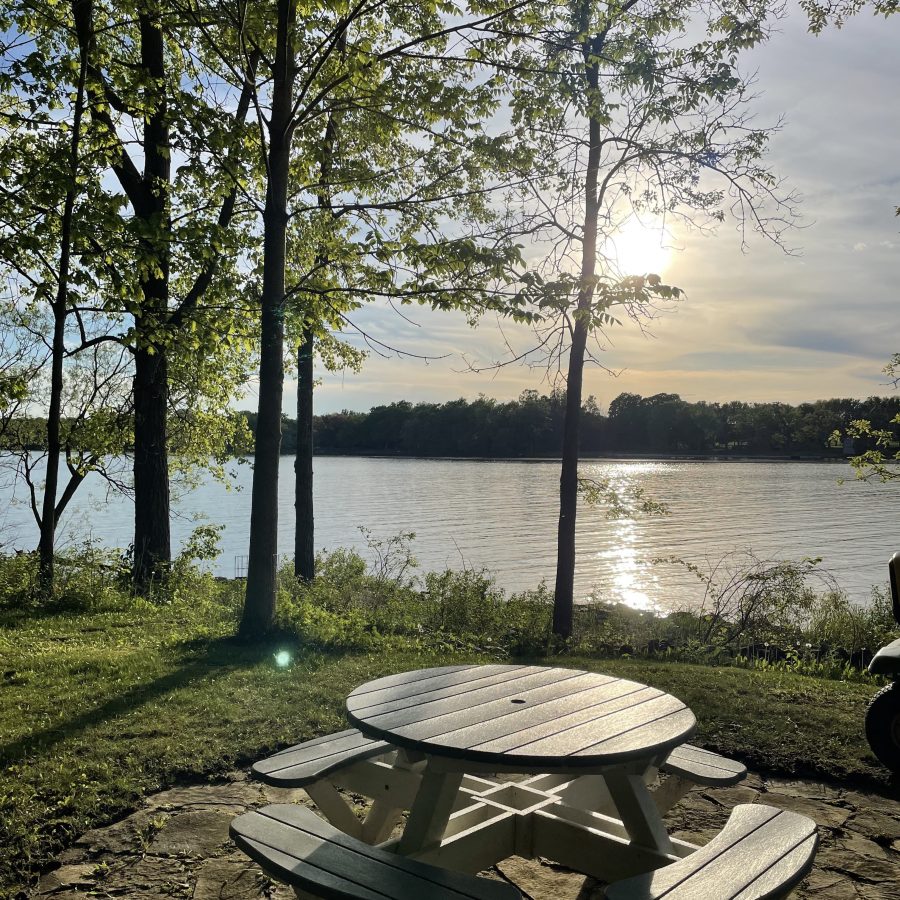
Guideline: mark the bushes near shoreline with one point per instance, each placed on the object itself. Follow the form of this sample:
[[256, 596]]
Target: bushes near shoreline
[[751, 613]]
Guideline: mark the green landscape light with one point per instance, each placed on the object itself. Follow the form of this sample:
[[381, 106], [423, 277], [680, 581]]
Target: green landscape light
[[282, 658]]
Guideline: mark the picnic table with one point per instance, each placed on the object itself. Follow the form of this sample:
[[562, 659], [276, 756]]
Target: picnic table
[[534, 720], [514, 760]]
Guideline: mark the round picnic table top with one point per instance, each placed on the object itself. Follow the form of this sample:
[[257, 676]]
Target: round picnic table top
[[523, 718]]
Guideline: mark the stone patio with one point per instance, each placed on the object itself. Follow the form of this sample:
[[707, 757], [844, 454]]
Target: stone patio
[[177, 845]]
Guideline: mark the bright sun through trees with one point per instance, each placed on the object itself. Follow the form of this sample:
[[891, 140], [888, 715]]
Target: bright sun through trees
[[639, 247]]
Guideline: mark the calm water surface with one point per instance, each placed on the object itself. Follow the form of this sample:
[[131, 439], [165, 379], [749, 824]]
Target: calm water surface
[[501, 515]]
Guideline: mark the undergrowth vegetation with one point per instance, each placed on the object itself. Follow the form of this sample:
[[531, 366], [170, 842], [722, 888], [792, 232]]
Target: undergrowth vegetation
[[750, 612]]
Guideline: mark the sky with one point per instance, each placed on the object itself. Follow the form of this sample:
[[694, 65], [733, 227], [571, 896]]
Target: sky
[[757, 325]]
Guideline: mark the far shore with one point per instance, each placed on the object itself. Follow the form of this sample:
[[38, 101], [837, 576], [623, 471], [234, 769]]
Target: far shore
[[626, 457]]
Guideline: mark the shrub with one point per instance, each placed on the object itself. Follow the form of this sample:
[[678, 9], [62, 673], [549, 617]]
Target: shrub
[[836, 622], [87, 578], [18, 580], [352, 606]]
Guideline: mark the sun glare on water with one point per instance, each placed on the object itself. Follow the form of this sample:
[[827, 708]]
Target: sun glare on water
[[638, 248]]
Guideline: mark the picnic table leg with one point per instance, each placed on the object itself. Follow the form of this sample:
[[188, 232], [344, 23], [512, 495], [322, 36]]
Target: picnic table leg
[[670, 791], [384, 814], [638, 811], [588, 792], [333, 806], [430, 810]]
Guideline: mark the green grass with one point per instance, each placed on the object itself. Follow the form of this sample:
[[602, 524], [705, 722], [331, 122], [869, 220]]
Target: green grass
[[99, 709], [772, 720]]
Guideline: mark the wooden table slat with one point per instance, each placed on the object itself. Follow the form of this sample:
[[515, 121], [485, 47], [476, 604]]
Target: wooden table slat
[[272, 860], [375, 694], [438, 689], [321, 739], [543, 704], [703, 763], [408, 678], [336, 744], [668, 730], [760, 834], [572, 739], [378, 873], [771, 883], [473, 699], [568, 730]]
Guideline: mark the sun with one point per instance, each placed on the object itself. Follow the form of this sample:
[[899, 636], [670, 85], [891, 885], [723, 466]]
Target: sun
[[638, 248]]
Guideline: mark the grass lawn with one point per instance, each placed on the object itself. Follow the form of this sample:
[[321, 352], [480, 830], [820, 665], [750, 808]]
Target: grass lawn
[[97, 710]]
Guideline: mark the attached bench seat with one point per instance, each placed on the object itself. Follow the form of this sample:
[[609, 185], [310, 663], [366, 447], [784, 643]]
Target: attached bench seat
[[761, 853], [687, 766], [295, 846], [703, 767], [349, 759], [322, 764], [306, 763], [311, 761]]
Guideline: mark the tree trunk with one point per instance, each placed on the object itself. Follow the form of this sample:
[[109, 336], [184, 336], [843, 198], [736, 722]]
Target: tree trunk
[[259, 603], [563, 597], [82, 14], [47, 524], [304, 533], [304, 543], [152, 546], [151, 469], [46, 543]]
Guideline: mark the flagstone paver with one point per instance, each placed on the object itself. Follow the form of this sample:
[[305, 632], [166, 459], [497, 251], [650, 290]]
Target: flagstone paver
[[177, 845]]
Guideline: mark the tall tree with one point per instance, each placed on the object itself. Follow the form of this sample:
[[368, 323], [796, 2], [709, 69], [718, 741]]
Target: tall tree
[[370, 225], [145, 250], [261, 570], [60, 309], [636, 120], [49, 201], [304, 522], [145, 79]]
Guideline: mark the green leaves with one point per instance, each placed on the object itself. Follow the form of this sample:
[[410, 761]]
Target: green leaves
[[836, 12], [881, 460], [13, 389], [587, 299]]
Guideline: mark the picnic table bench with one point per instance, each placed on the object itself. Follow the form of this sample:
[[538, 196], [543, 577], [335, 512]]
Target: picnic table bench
[[309, 762], [295, 846], [761, 853]]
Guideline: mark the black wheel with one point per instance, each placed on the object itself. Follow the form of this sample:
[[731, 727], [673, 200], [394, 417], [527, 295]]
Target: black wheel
[[883, 726]]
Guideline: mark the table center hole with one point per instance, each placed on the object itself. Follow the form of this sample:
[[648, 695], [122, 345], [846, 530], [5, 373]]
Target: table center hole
[[516, 700]]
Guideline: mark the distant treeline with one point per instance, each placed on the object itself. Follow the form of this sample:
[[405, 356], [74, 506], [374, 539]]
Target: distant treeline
[[532, 426]]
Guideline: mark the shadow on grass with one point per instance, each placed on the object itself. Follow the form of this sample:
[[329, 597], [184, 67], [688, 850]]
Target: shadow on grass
[[205, 662]]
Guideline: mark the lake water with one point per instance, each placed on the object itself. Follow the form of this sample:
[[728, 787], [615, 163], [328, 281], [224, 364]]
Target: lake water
[[502, 515]]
